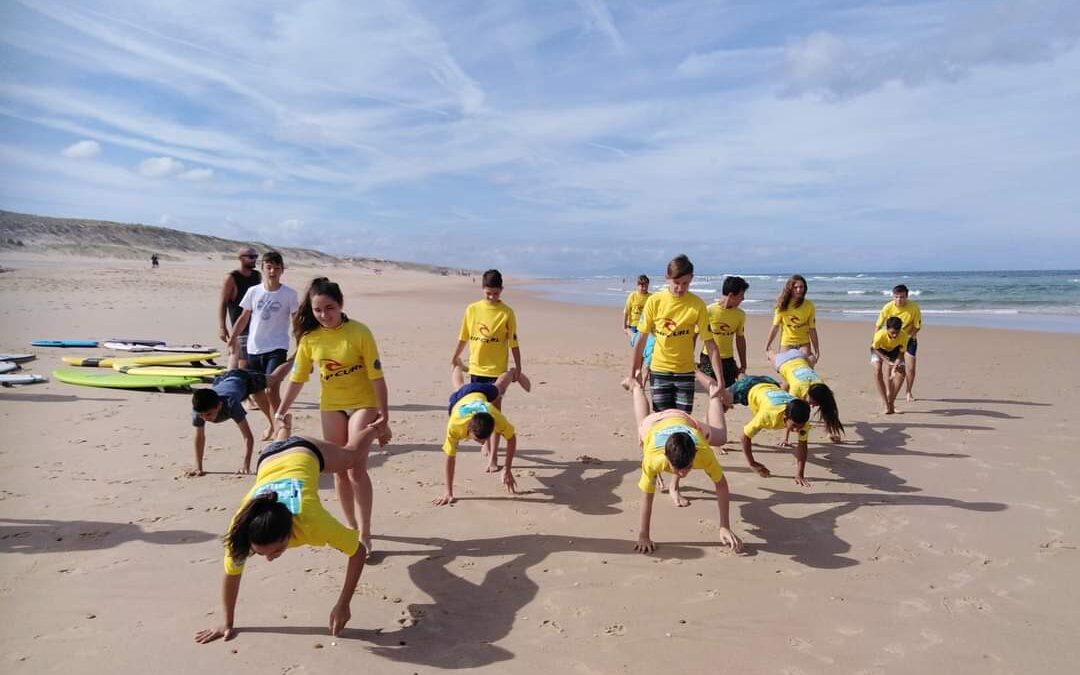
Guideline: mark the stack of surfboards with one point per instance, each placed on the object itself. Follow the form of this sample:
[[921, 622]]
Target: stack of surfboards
[[9, 363], [156, 371]]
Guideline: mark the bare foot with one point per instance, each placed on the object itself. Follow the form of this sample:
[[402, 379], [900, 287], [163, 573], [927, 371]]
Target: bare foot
[[890, 411], [660, 483], [491, 468], [243, 470], [365, 541], [760, 469], [194, 473], [786, 444], [910, 397], [524, 381], [268, 434]]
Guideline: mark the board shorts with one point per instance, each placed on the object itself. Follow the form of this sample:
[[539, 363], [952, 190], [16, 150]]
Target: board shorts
[[633, 335], [728, 365], [241, 347], [740, 390], [254, 382], [488, 390], [892, 354], [912, 346], [267, 362], [672, 390], [482, 379], [646, 354], [290, 443]]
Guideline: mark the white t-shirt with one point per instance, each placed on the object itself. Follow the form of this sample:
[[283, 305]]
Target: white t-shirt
[[271, 312]]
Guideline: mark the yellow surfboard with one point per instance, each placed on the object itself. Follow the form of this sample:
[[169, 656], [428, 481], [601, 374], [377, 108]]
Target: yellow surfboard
[[170, 371], [142, 360]]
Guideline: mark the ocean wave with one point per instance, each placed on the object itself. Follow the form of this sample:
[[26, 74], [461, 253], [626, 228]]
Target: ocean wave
[[857, 292], [702, 289], [843, 278], [915, 293]]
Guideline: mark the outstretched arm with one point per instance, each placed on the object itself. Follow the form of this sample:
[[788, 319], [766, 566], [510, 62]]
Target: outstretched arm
[[230, 590], [772, 336], [457, 352], [238, 327], [801, 452], [723, 498], [644, 543], [292, 390], [340, 614], [249, 444], [508, 478], [815, 344], [748, 452], [448, 496], [740, 347]]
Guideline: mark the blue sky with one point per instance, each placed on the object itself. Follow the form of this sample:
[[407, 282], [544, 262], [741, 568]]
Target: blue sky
[[560, 137]]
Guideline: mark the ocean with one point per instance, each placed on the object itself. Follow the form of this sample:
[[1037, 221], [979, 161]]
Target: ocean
[[1047, 301]]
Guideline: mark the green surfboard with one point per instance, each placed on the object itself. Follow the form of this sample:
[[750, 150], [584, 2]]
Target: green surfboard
[[89, 377]]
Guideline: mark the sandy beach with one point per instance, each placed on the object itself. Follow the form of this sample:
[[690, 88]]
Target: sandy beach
[[940, 539]]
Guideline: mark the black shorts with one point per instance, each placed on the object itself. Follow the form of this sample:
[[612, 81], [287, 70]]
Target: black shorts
[[253, 382], [267, 362], [672, 390], [482, 379], [912, 346], [278, 447], [488, 390], [730, 368]]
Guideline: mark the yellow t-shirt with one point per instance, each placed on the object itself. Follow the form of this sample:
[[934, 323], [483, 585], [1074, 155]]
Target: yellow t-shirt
[[676, 323], [910, 314], [295, 477], [348, 360], [635, 302], [457, 428], [799, 375], [767, 404], [795, 323], [654, 461], [885, 343], [725, 324], [491, 331]]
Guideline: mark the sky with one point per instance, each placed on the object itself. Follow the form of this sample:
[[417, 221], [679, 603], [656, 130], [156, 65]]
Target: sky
[[561, 137]]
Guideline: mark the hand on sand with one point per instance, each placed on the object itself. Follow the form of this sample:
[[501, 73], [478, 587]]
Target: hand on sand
[[644, 545], [786, 444], [801, 481], [678, 500], [760, 469], [339, 616], [728, 537], [443, 500], [195, 473], [244, 470], [509, 482], [211, 634]]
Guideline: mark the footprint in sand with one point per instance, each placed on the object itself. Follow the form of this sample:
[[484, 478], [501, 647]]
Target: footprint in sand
[[615, 630]]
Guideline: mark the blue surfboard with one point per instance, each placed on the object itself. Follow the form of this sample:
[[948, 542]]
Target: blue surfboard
[[64, 343]]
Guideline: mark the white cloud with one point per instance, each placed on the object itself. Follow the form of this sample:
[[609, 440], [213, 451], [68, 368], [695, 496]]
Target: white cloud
[[292, 225], [157, 167], [196, 175], [82, 150]]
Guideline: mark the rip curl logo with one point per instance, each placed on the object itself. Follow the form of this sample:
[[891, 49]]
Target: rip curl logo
[[795, 321], [484, 334], [723, 328], [666, 327], [330, 369], [483, 330]]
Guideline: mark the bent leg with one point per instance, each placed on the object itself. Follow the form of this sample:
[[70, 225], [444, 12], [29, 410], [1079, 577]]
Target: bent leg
[[335, 427], [360, 444]]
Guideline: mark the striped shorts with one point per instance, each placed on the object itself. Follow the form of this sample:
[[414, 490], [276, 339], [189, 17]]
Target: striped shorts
[[672, 390]]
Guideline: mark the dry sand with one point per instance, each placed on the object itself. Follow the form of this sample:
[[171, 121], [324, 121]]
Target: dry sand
[[940, 539]]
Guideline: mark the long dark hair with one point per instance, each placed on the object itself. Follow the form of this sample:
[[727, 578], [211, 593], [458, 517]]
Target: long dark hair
[[784, 299], [263, 521], [822, 396], [304, 322]]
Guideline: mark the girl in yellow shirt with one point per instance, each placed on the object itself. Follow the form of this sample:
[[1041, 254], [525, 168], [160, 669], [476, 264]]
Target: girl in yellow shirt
[[353, 396], [796, 320], [804, 382]]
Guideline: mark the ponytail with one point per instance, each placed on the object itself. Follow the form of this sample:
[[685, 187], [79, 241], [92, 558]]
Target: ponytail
[[263, 521], [304, 321], [821, 395]]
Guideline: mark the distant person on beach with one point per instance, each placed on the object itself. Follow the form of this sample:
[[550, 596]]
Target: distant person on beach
[[635, 302], [223, 400], [772, 408], [489, 328], [677, 318], [474, 415], [233, 289], [268, 310], [353, 395], [726, 322], [154, 261], [674, 442], [804, 382], [283, 511], [886, 351], [794, 317], [909, 313]]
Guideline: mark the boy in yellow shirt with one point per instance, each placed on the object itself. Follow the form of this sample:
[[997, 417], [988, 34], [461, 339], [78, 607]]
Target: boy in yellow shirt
[[909, 313], [726, 321], [489, 327], [635, 302], [474, 414], [674, 442], [885, 351], [772, 408]]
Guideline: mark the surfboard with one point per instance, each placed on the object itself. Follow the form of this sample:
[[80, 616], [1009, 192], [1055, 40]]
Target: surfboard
[[169, 371], [23, 378], [7, 366], [127, 347], [144, 360], [183, 348], [149, 342], [17, 358], [114, 380], [64, 343]]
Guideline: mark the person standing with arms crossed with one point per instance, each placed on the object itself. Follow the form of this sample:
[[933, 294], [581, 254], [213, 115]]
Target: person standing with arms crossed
[[233, 289]]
